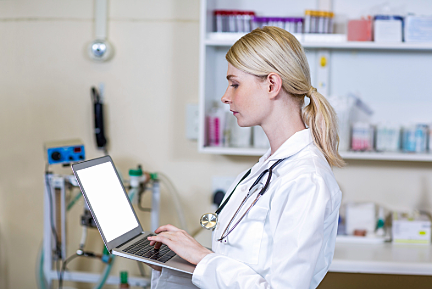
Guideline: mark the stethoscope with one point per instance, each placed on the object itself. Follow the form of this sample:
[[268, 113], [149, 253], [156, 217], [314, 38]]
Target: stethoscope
[[209, 221]]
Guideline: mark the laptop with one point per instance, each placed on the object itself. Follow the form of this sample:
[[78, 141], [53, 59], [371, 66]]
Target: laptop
[[116, 219]]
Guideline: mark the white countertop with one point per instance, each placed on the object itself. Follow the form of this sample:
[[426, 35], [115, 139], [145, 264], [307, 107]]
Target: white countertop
[[387, 258], [384, 258]]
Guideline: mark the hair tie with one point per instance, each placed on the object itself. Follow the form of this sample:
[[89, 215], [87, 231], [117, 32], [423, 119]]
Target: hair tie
[[311, 90]]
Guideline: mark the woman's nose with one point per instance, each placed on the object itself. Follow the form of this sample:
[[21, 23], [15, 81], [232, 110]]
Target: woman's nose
[[225, 98]]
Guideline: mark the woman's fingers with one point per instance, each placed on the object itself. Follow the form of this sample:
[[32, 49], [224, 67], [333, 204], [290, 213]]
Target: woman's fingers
[[159, 239], [166, 228]]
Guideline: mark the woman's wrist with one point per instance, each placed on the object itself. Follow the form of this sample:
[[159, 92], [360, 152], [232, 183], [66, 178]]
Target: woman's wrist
[[202, 254]]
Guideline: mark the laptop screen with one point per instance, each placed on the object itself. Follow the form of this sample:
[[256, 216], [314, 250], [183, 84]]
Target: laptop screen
[[108, 200]]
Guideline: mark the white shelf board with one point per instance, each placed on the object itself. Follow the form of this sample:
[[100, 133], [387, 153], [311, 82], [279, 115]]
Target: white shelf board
[[233, 151], [383, 156], [228, 39], [404, 259]]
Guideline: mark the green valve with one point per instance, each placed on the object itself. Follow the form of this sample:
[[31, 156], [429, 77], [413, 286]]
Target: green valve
[[136, 172], [124, 277], [153, 176]]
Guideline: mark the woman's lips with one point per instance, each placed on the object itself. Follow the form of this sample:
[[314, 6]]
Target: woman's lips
[[234, 112]]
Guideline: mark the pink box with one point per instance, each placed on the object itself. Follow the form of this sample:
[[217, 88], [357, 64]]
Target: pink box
[[360, 30]]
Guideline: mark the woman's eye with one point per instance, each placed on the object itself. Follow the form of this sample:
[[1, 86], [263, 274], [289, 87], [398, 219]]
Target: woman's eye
[[234, 85]]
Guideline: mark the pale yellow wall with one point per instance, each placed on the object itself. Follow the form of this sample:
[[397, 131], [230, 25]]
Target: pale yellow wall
[[45, 81]]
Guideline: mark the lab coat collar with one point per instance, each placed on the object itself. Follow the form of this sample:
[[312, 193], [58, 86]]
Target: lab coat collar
[[290, 147]]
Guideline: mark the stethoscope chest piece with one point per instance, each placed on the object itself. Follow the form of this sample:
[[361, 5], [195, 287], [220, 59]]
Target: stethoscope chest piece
[[209, 221]]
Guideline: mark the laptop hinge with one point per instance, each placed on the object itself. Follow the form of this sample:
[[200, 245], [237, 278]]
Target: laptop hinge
[[130, 240]]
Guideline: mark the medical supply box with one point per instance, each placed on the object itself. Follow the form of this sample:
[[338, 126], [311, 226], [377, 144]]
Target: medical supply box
[[411, 228], [388, 28], [418, 28]]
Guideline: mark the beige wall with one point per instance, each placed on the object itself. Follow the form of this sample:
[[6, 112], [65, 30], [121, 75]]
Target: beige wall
[[45, 81]]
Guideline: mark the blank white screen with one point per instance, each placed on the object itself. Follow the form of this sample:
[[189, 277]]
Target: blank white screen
[[108, 201]]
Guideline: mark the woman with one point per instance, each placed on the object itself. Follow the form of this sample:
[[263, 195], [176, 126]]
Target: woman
[[286, 237]]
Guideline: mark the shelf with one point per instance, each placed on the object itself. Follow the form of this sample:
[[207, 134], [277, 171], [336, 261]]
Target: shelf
[[382, 156], [335, 41], [404, 259], [233, 151]]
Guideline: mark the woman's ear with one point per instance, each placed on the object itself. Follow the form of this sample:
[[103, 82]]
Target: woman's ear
[[274, 84]]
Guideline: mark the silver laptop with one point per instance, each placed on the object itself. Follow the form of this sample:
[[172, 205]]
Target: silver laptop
[[115, 217]]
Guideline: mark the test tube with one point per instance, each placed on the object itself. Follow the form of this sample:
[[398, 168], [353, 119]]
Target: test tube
[[307, 21], [314, 22], [238, 16], [218, 21], [298, 25], [232, 27], [247, 18], [330, 22]]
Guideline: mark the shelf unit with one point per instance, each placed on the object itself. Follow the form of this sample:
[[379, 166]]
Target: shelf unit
[[213, 47], [387, 258]]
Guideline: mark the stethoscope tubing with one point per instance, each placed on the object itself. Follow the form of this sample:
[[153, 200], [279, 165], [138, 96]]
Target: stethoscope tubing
[[263, 190]]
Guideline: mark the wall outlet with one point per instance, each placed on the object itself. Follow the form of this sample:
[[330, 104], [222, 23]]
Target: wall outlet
[[222, 183], [192, 121]]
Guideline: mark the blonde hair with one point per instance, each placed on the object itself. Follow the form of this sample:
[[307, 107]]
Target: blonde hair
[[274, 50]]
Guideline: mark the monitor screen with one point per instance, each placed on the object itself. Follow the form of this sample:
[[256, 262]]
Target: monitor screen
[[108, 200]]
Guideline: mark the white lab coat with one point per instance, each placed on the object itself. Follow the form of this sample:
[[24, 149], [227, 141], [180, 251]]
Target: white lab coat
[[287, 239]]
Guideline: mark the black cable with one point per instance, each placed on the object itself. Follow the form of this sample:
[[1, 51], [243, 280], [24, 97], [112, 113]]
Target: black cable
[[140, 192], [63, 269]]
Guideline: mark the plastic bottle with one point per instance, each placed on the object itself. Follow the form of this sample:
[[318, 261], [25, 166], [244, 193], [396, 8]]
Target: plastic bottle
[[215, 126], [124, 280], [380, 223]]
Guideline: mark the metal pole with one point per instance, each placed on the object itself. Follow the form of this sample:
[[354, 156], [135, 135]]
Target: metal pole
[[155, 205]]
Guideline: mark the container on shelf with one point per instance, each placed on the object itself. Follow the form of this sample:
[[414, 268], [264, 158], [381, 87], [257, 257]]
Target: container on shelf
[[232, 21], [421, 138], [388, 28], [411, 228], [290, 24], [387, 138], [415, 138], [360, 30], [418, 28], [318, 22], [236, 136], [215, 126], [260, 139], [362, 136]]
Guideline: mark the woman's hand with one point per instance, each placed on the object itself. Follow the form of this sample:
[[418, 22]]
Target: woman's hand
[[180, 242], [154, 267]]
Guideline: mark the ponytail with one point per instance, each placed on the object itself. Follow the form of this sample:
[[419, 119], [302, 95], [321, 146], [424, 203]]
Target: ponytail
[[321, 118]]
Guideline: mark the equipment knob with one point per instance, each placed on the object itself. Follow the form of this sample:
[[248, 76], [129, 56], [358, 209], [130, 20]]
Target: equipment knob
[[56, 156]]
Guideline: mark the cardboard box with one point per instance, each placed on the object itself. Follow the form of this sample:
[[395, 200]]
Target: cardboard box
[[411, 228]]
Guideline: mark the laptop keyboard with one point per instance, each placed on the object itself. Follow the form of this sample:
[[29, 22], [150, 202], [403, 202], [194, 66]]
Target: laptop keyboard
[[142, 248]]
